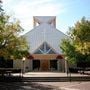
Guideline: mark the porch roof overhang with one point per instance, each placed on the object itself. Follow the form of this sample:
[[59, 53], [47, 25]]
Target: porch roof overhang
[[46, 56]]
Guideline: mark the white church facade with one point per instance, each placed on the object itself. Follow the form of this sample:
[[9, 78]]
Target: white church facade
[[44, 41]]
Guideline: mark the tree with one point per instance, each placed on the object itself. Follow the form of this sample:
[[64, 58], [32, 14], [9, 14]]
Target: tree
[[11, 43], [68, 50], [1, 6], [77, 48]]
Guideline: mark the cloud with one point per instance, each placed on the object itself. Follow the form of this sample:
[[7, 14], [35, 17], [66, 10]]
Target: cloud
[[41, 7], [25, 9]]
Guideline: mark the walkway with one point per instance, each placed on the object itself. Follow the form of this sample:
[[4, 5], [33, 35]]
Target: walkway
[[49, 74]]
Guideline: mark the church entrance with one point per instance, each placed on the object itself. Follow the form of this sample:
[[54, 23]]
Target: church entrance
[[46, 62], [53, 65], [44, 65], [36, 65], [40, 65]]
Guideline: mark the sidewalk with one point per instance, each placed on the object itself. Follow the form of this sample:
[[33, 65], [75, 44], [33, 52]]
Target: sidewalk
[[50, 74]]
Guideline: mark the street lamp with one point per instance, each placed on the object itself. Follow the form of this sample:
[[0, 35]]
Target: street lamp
[[23, 60]]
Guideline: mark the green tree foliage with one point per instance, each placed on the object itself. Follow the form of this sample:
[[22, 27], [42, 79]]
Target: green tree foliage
[[77, 48], [11, 43], [68, 50]]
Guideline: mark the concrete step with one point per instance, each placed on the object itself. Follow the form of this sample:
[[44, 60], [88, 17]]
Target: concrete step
[[44, 79], [55, 79]]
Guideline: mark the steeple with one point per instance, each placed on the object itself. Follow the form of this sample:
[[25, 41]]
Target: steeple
[[44, 19]]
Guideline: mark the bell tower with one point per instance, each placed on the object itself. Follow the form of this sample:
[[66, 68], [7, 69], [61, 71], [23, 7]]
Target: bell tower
[[51, 20]]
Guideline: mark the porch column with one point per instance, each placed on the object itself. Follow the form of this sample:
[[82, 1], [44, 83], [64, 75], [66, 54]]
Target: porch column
[[58, 65], [66, 66], [31, 65]]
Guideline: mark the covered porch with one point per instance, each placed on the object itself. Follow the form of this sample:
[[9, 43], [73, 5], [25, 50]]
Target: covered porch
[[47, 62]]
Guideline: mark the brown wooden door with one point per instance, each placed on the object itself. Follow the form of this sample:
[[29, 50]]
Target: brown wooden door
[[44, 65]]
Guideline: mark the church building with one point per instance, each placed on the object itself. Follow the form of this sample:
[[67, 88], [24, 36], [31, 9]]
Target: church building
[[44, 41]]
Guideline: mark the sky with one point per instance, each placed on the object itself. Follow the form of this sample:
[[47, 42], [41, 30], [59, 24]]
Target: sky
[[67, 12]]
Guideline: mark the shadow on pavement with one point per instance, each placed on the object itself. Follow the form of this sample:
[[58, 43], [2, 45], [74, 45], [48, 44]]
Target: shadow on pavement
[[25, 86]]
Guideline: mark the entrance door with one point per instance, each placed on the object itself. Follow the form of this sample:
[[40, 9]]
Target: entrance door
[[53, 65], [36, 65], [44, 65]]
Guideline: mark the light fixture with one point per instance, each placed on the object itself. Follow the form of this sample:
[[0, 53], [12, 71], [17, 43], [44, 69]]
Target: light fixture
[[23, 59]]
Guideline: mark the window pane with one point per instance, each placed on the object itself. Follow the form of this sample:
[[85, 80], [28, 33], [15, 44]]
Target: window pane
[[42, 47], [51, 52], [38, 52], [47, 47]]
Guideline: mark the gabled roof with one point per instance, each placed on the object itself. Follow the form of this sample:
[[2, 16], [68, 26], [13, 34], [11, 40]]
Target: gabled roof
[[45, 33]]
